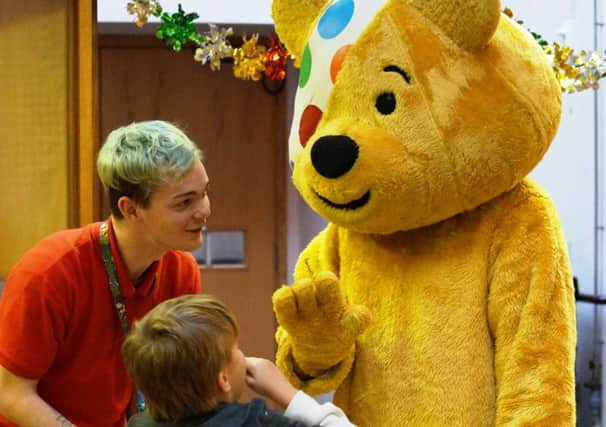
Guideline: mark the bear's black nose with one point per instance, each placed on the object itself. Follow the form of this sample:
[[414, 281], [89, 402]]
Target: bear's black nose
[[333, 156]]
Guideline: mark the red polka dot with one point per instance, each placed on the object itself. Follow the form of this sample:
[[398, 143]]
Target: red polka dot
[[337, 61], [309, 122]]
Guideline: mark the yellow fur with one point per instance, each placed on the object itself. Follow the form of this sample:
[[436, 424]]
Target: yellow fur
[[470, 27], [457, 257], [300, 17]]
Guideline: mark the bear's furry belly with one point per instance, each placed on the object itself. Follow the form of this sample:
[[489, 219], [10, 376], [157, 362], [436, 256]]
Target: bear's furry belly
[[427, 358], [473, 318]]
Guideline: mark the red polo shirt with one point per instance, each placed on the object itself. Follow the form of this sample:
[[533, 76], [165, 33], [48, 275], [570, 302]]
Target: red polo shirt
[[58, 323]]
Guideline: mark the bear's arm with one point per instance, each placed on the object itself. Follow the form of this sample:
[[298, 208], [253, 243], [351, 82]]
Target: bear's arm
[[321, 254], [531, 314]]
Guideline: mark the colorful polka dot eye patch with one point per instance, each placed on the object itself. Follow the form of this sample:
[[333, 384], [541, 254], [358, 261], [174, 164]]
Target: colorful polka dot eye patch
[[336, 31]]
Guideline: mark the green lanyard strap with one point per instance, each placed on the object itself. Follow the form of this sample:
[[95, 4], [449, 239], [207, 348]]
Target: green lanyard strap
[[110, 269], [114, 286]]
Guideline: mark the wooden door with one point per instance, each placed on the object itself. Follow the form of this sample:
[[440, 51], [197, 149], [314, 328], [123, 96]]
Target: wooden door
[[240, 128]]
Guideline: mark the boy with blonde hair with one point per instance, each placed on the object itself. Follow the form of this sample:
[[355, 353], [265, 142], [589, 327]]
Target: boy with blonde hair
[[184, 357]]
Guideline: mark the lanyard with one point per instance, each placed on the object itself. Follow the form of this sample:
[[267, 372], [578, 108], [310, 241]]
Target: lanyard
[[110, 269], [114, 286]]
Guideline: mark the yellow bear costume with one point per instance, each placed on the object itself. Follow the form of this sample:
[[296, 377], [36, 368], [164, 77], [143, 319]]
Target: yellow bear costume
[[440, 293]]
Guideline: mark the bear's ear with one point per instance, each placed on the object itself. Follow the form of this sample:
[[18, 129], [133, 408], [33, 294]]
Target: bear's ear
[[294, 20], [469, 23]]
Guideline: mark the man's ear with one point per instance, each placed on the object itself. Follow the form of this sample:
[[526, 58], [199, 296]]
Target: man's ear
[[128, 207], [223, 381]]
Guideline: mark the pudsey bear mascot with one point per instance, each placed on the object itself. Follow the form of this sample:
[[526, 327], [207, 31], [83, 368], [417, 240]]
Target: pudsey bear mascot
[[440, 292]]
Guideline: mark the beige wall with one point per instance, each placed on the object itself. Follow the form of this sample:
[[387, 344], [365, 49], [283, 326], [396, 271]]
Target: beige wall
[[33, 124]]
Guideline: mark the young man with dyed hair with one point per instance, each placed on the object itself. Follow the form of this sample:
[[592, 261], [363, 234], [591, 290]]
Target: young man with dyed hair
[[185, 359], [70, 300]]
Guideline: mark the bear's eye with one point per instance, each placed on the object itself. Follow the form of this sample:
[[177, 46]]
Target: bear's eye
[[386, 103]]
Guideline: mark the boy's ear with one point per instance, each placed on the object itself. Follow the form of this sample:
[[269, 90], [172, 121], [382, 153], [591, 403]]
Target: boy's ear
[[128, 207], [223, 381]]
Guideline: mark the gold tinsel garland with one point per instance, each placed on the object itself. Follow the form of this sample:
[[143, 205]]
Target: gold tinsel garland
[[575, 71]]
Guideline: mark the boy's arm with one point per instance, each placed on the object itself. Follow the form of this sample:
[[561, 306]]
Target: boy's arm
[[264, 377], [307, 410], [20, 403]]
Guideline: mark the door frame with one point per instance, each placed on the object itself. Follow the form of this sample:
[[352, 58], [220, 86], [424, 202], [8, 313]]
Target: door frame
[[83, 113]]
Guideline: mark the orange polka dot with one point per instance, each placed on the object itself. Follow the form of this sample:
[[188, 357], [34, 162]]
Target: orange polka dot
[[309, 122], [337, 61]]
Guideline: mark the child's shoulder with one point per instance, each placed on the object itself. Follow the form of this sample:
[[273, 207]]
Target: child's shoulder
[[254, 413], [142, 419]]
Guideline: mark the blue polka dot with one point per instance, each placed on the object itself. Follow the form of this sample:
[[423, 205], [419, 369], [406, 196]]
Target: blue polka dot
[[336, 18]]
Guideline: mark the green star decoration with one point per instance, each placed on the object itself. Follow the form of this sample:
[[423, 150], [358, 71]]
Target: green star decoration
[[179, 28], [575, 71]]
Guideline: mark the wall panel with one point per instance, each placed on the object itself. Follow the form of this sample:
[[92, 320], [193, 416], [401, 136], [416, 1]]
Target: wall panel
[[33, 125]]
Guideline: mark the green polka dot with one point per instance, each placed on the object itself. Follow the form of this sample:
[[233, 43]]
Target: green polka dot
[[305, 67]]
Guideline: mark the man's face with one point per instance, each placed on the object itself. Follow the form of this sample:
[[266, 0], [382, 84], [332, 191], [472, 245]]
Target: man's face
[[236, 373], [177, 211]]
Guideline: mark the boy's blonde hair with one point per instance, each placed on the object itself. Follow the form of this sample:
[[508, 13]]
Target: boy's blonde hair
[[138, 157], [175, 354]]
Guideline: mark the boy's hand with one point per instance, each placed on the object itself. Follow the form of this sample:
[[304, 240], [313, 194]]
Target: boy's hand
[[263, 377], [322, 327]]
